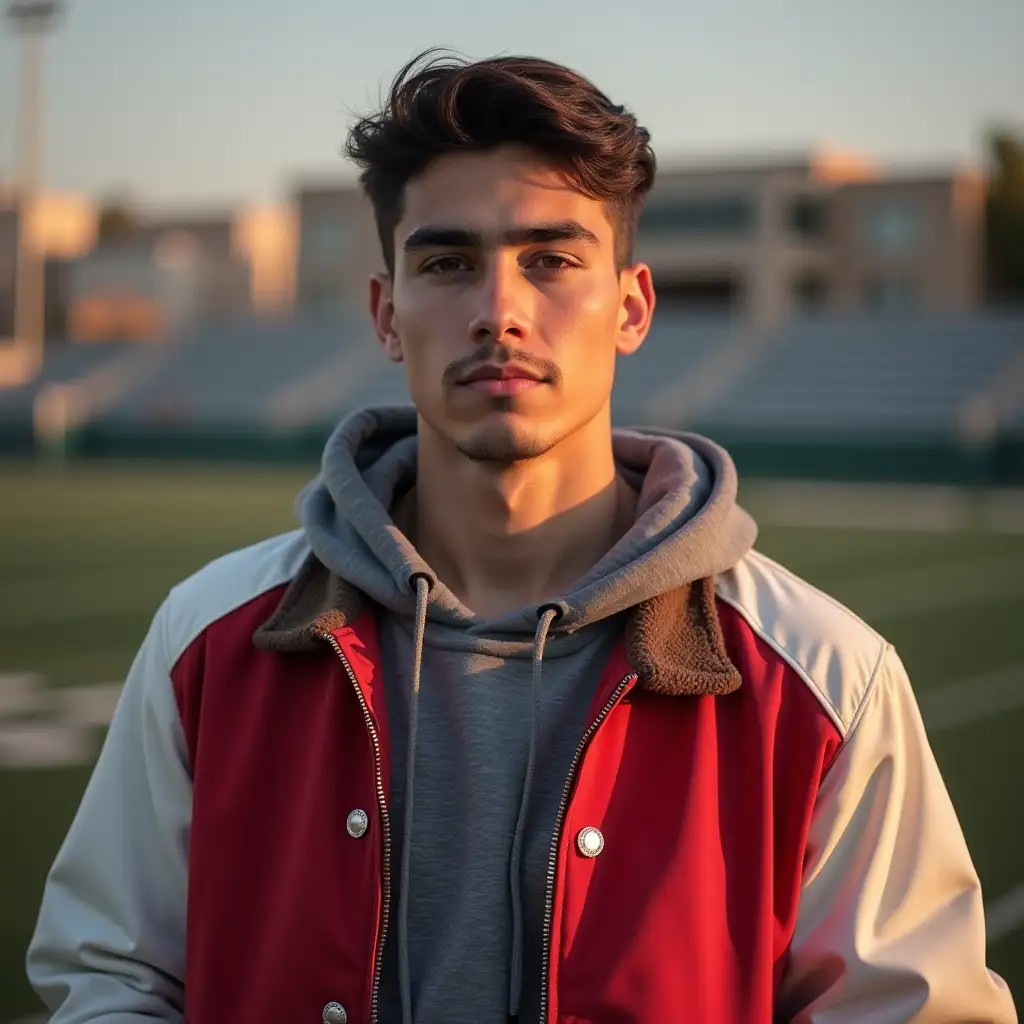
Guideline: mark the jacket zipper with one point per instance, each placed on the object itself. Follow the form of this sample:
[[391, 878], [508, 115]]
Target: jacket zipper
[[385, 822], [556, 839]]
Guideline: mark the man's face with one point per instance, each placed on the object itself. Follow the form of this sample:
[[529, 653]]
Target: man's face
[[506, 305]]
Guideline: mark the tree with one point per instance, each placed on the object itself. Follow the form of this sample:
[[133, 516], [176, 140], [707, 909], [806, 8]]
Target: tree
[[1004, 218]]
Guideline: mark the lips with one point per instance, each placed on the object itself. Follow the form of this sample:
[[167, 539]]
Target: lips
[[506, 371], [506, 379]]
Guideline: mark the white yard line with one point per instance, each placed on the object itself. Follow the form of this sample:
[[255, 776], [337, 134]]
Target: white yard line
[[857, 506], [1005, 914], [19, 693], [51, 728], [88, 707], [972, 700], [932, 588], [45, 745], [869, 506]]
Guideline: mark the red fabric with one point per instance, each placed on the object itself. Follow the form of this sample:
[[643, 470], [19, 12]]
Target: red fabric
[[283, 903], [686, 915], [704, 804]]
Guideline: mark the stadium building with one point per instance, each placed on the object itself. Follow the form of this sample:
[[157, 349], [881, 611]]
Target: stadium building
[[818, 317], [758, 241]]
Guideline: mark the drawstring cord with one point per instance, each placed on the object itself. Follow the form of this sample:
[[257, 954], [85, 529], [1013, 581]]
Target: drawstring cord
[[405, 985], [546, 616]]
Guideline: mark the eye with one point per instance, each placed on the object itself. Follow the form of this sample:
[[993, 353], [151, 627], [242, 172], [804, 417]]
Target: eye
[[446, 265], [553, 262]]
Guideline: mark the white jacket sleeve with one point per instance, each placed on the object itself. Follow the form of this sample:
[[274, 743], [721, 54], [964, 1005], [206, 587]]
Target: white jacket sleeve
[[890, 927], [109, 944]]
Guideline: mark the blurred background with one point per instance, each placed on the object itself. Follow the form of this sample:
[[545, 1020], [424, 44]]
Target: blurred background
[[837, 241]]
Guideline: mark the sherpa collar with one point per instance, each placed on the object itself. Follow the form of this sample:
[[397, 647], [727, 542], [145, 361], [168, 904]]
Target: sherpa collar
[[674, 641]]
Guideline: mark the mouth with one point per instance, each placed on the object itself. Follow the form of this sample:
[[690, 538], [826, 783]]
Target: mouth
[[507, 379]]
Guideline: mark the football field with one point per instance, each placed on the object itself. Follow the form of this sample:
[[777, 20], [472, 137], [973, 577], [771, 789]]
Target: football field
[[87, 553]]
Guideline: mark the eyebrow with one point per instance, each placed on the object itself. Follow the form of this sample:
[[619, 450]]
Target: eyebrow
[[433, 236]]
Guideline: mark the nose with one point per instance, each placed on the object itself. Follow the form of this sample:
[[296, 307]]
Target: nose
[[501, 303]]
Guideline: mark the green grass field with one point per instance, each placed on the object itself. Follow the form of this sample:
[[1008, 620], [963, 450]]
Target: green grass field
[[87, 553]]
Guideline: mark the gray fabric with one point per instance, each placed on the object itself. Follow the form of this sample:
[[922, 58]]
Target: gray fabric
[[469, 782], [420, 626], [487, 707], [515, 982]]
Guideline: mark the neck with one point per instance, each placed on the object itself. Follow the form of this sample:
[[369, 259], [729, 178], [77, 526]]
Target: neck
[[502, 538]]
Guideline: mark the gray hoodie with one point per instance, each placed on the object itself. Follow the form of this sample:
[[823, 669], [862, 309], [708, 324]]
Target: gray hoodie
[[485, 716]]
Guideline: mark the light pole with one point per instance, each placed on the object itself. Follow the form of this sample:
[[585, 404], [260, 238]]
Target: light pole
[[31, 19]]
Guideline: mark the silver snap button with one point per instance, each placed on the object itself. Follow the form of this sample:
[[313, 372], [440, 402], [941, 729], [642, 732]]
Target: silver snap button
[[357, 823], [335, 1013], [590, 841]]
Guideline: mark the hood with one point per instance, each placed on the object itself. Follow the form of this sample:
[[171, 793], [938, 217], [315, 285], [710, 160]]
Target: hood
[[688, 527]]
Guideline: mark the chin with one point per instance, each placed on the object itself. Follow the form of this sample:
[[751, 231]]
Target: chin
[[505, 444]]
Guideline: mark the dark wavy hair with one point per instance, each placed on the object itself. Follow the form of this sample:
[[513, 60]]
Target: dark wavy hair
[[440, 104]]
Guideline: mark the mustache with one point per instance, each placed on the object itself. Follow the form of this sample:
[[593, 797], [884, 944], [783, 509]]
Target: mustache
[[500, 355]]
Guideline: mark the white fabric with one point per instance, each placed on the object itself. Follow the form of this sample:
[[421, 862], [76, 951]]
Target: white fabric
[[890, 927], [109, 944]]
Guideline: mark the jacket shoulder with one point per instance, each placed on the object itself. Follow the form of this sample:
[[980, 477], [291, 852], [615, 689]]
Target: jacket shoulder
[[833, 651], [227, 584]]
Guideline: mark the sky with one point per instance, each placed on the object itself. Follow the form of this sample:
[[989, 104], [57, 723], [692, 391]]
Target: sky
[[195, 103]]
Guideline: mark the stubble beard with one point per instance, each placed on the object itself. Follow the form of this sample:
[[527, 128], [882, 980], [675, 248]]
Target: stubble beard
[[503, 445]]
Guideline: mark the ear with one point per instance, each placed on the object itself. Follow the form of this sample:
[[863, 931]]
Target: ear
[[382, 312], [636, 307]]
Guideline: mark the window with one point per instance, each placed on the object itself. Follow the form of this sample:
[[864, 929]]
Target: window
[[810, 292], [325, 238], [726, 215], [6, 314], [891, 294], [177, 249], [698, 294], [893, 227], [321, 301], [807, 217]]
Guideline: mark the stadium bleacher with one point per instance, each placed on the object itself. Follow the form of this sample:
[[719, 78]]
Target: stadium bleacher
[[869, 377], [676, 351], [64, 364], [825, 377], [229, 374]]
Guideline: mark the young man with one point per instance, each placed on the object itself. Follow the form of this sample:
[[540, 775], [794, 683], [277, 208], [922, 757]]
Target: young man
[[517, 726]]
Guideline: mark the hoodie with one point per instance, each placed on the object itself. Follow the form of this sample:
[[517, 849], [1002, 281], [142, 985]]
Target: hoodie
[[486, 716]]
